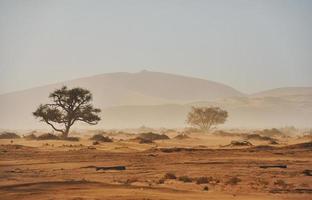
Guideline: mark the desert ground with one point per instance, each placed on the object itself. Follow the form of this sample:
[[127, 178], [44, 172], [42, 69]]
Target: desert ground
[[193, 166]]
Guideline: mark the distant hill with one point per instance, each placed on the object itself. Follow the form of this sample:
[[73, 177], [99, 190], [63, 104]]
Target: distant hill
[[158, 99], [115, 89], [244, 112], [286, 91]]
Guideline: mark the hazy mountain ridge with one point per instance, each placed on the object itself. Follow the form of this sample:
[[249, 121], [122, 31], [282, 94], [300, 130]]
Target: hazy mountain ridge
[[163, 100], [285, 91], [243, 112]]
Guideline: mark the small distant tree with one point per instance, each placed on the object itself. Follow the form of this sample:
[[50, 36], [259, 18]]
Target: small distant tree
[[206, 117], [69, 106]]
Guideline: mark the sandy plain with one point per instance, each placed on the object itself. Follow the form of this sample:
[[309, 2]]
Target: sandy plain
[[53, 169]]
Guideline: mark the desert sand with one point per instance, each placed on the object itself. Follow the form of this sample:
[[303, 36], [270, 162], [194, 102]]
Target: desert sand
[[54, 169]]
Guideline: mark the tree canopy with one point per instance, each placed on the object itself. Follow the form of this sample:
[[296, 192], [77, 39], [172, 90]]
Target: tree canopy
[[68, 106], [206, 117]]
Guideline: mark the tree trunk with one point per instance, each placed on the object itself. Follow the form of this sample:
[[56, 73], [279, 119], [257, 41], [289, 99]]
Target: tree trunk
[[66, 132]]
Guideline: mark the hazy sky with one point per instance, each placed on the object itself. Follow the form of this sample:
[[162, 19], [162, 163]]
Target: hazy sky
[[250, 45]]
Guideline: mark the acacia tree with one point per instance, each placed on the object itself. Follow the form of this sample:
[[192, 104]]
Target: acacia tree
[[206, 117], [69, 106]]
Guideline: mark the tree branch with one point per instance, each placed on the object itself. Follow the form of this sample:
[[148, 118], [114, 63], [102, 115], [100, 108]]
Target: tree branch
[[56, 129]]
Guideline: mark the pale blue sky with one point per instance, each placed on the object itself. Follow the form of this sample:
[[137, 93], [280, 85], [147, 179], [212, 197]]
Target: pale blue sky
[[250, 45]]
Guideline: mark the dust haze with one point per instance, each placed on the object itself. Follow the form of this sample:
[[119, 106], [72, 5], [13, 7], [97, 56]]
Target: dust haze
[[155, 100]]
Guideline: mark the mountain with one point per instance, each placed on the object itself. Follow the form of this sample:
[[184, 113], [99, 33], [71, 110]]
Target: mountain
[[115, 89]]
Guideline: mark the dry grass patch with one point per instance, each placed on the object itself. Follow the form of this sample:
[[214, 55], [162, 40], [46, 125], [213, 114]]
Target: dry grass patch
[[9, 135], [48, 136], [185, 179], [233, 181]]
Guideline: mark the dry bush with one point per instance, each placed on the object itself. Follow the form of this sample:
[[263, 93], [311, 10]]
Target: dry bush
[[101, 138], [307, 172], [48, 136], [161, 181], [233, 181], [206, 188], [153, 136], [71, 145], [73, 139], [240, 143], [8, 135], [169, 175], [185, 179], [205, 180]]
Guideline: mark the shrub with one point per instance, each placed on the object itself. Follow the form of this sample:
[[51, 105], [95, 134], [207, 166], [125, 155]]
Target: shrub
[[48, 136], [203, 180], [273, 142], [8, 135], [185, 179], [233, 181], [101, 138], [161, 181], [206, 188], [153, 136], [307, 172], [240, 143], [170, 175], [73, 139]]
